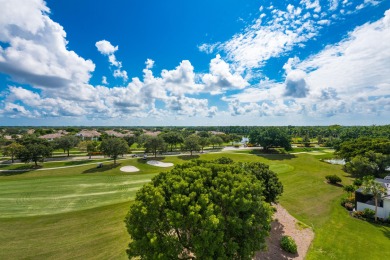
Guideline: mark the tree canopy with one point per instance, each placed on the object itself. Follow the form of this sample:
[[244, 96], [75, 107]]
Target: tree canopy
[[351, 148], [203, 210], [67, 142], [114, 147], [270, 137], [154, 144], [34, 153], [12, 150], [191, 143]]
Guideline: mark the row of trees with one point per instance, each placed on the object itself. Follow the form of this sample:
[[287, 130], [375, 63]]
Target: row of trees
[[35, 149]]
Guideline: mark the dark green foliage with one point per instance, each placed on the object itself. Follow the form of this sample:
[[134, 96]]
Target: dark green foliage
[[362, 146], [67, 142], [272, 186], [204, 141], [358, 182], [306, 141], [130, 140], [370, 164], [333, 179], [114, 147], [201, 210], [12, 150], [191, 143], [34, 153], [270, 137], [368, 213], [349, 188], [154, 144], [172, 138], [288, 244], [215, 140], [223, 160]]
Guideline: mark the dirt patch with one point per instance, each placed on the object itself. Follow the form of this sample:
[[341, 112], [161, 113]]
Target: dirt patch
[[285, 224]]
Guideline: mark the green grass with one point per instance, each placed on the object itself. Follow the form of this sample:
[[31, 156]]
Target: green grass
[[344, 237], [97, 233], [48, 195], [91, 223]]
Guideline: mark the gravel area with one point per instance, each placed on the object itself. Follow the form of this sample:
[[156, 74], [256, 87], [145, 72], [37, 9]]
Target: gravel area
[[285, 224]]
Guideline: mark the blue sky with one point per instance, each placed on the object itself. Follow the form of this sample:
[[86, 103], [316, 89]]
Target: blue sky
[[222, 62]]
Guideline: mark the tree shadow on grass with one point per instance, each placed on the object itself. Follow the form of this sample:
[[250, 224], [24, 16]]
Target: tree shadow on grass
[[20, 170], [151, 158], [104, 168], [12, 173], [386, 231], [70, 163], [277, 157], [274, 251], [188, 157]]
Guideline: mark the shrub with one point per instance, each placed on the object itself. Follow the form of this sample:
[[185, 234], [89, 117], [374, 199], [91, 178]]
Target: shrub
[[358, 182], [358, 214], [223, 160], [368, 213], [349, 206], [288, 244], [333, 179]]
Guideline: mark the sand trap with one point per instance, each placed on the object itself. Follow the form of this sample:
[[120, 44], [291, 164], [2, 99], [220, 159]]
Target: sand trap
[[129, 169], [160, 164]]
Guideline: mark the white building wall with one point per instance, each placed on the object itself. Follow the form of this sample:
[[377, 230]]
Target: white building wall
[[381, 211], [386, 208]]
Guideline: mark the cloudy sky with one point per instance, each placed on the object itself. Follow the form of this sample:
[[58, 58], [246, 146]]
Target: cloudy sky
[[220, 62]]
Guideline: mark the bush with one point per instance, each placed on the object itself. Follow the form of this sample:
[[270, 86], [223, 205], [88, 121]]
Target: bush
[[223, 160], [349, 206], [358, 182], [288, 244], [358, 214], [333, 179], [368, 213]]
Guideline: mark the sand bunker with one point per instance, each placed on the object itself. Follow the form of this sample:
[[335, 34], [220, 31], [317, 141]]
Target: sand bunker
[[129, 169], [160, 164]]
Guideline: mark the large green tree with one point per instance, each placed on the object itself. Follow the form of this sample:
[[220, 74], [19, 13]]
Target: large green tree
[[34, 153], [199, 210], [191, 143], [172, 138], [270, 137], [203, 142], [12, 150], [273, 188], [215, 140], [154, 144], [114, 147], [67, 142], [370, 186]]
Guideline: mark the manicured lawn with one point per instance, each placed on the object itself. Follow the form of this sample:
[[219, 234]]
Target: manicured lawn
[[90, 224], [97, 233], [344, 237], [48, 195]]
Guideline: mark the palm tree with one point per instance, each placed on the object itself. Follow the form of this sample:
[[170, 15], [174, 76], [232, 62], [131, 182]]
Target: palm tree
[[375, 188]]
